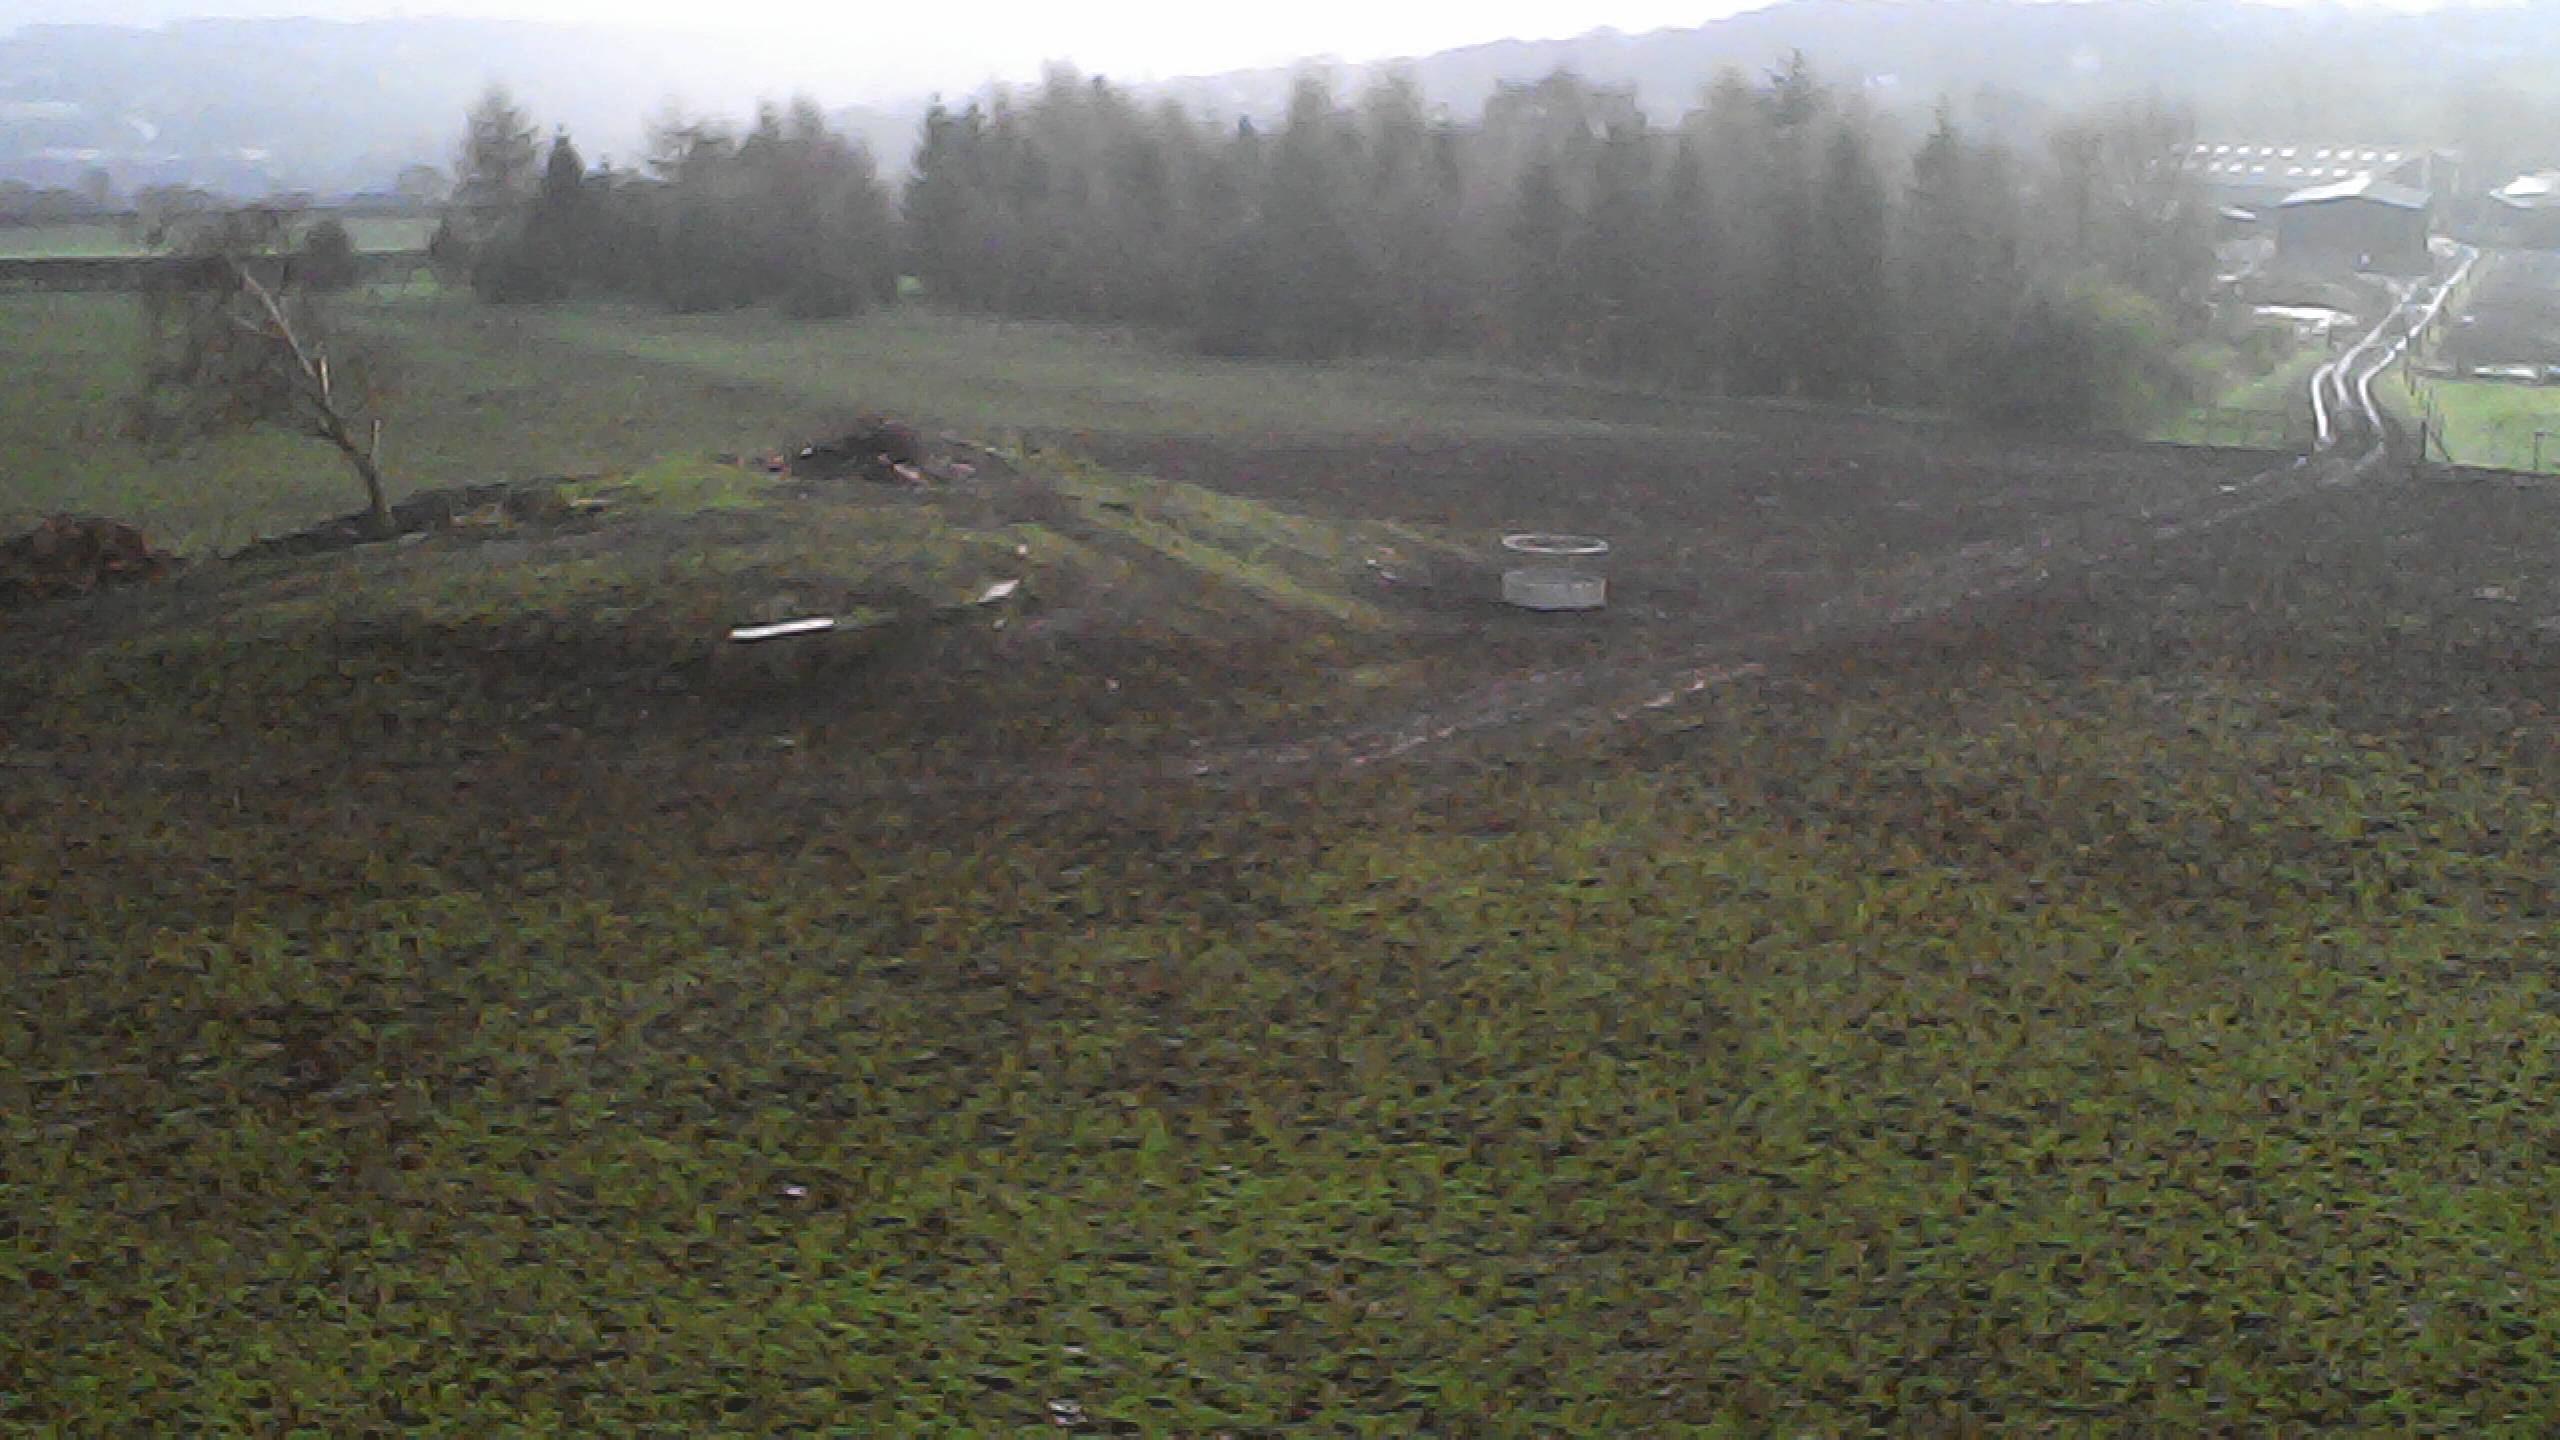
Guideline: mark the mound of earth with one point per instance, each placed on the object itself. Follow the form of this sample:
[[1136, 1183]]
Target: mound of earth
[[882, 451], [503, 505], [71, 555]]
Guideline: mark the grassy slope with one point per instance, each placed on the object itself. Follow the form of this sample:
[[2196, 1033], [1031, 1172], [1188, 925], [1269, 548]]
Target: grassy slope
[[437, 1000], [2122, 1007], [471, 405], [372, 235], [484, 394], [2283, 390]]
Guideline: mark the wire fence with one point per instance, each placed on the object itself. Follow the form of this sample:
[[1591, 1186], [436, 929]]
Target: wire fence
[[2241, 427], [2482, 442], [2491, 423]]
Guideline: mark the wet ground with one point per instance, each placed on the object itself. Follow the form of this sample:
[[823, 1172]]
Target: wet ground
[[1731, 546]]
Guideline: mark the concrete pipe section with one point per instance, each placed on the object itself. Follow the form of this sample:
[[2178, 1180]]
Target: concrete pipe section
[[1563, 572]]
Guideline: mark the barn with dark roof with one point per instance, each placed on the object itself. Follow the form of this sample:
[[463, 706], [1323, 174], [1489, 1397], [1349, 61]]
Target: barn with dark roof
[[2367, 223], [2252, 177]]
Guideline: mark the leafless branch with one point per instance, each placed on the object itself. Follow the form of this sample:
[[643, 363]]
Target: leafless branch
[[275, 313]]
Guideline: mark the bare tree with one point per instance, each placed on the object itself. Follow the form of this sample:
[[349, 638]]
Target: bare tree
[[234, 339]]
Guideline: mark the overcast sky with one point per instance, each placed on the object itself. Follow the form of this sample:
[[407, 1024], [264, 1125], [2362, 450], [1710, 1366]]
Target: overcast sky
[[973, 39], [955, 44]]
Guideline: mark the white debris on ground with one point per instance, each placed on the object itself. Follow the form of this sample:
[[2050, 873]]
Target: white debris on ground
[[783, 629]]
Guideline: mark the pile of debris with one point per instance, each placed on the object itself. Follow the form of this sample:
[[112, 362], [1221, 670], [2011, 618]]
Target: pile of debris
[[471, 509], [882, 451], [72, 555]]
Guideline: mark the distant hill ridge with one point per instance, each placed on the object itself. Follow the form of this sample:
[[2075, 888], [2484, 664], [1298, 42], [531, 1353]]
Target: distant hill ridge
[[250, 105], [2251, 67]]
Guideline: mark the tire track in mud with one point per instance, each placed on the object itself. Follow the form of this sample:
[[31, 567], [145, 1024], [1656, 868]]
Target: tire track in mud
[[1526, 708], [1580, 700], [2342, 391], [1597, 696]]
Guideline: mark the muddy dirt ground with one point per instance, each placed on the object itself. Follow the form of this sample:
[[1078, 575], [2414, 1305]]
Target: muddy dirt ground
[[1744, 525], [1776, 543], [1762, 536]]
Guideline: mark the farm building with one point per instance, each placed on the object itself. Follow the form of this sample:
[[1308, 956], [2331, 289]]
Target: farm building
[[2361, 224], [2525, 212], [2254, 177]]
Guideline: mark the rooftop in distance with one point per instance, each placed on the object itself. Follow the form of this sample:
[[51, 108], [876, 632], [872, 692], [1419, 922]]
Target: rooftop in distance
[[2292, 166]]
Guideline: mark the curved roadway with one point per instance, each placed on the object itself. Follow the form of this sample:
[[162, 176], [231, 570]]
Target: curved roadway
[[2347, 423]]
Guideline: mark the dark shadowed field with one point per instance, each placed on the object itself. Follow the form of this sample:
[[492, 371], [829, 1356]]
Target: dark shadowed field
[[1733, 540], [1980, 937]]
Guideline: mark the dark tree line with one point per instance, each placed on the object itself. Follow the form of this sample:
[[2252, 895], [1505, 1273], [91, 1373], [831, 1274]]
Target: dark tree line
[[1777, 240], [787, 213]]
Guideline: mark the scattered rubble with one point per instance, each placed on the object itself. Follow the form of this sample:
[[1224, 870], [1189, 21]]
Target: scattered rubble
[[70, 555], [877, 450], [884, 452]]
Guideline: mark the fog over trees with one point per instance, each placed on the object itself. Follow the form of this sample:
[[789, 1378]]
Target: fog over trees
[[1776, 240], [788, 213], [247, 108]]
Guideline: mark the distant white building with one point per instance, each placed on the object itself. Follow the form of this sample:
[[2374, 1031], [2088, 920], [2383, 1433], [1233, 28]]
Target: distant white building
[[2334, 206], [2255, 176], [2525, 212]]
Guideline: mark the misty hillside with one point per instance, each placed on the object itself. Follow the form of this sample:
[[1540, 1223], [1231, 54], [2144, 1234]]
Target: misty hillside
[[252, 105], [2475, 75], [249, 106]]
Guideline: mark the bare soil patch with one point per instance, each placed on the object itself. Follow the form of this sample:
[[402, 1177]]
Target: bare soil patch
[[1771, 532], [1756, 518]]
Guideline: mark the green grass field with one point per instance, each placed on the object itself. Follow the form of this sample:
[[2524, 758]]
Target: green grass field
[[2270, 410], [483, 394], [434, 998], [372, 234], [2492, 425]]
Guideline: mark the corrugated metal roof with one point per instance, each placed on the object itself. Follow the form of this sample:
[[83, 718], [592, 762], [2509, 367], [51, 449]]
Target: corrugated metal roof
[[2363, 187], [2243, 163], [2256, 169]]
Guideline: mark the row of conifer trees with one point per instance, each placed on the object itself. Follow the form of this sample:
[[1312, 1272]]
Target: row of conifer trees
[[1780, 238]]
